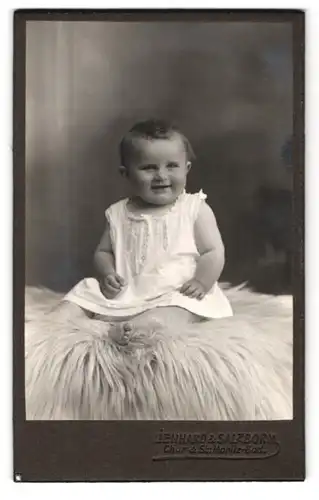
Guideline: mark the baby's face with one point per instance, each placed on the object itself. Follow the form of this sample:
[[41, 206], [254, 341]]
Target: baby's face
[[158, 169]]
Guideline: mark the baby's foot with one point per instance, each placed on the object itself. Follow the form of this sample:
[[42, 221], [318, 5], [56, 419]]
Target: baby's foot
[[121, 333]]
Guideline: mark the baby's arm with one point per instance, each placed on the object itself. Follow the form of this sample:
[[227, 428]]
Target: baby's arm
[[211, 250], [111, 283]]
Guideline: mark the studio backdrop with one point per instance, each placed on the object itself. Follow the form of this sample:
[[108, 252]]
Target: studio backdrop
[[228, 86]]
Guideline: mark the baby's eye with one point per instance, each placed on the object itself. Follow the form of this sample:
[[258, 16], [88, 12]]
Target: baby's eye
[[148, 167], [172, 165]]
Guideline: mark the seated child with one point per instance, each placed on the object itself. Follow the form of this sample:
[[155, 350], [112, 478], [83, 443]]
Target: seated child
[[161, 253]]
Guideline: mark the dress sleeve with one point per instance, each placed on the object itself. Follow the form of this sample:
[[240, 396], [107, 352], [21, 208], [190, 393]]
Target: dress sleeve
[[108, 215], [114, 217], [195, 202], [114, 213]]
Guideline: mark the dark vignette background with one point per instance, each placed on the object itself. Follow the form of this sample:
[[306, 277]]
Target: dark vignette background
[[228, 85]]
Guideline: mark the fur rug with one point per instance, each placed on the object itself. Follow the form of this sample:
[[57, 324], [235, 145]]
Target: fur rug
[[237, 368]]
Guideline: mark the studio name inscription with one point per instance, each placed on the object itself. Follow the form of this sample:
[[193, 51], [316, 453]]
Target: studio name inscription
[[222, 445]]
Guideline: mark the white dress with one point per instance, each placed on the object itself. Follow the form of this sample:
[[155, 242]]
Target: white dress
[[155, 255]]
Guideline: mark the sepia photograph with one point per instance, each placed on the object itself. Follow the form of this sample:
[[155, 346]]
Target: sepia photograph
[[162, 227], [158, 220]]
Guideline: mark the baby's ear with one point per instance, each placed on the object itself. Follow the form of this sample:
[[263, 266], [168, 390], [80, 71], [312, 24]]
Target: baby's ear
[[188, 166], [123, 171]]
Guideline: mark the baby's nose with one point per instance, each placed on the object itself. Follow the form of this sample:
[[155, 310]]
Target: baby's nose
[[160, 174]]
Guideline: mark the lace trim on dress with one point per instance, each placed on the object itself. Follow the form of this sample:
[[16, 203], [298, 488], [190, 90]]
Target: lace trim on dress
[[139, 216]]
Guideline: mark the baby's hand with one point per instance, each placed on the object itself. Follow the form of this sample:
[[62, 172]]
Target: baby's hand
[[111, 285], [193, 289]]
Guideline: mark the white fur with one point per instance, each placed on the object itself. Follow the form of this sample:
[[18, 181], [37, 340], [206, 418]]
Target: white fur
[[237, 368]]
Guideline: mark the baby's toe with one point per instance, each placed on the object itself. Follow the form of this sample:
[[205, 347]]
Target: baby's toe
[[121, 333], [125, 336]]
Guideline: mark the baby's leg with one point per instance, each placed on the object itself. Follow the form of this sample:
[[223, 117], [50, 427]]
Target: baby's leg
[[165, 316], [74, 318], [66, 311]]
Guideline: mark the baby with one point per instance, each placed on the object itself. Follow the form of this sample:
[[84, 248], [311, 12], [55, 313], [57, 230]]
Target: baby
[[161, 253]]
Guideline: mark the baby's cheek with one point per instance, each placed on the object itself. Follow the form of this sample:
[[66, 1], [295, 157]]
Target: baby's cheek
[[179, 182]]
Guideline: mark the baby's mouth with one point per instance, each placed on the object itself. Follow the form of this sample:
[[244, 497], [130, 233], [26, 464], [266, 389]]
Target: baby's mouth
[[160, 187]]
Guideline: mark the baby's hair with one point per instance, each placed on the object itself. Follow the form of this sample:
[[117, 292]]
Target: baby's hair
[[151, 129]]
